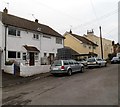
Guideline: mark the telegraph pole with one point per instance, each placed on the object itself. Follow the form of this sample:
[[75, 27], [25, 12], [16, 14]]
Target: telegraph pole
[[101, 43]]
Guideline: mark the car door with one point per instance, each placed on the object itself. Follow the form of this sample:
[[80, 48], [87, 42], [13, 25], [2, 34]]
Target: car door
[[72, 65]]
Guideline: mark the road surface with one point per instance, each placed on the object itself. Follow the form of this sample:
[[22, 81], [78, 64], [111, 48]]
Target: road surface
[[97, 86]]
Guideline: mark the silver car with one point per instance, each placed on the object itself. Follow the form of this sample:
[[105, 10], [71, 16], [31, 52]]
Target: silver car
[[96, 62], [66, 66]]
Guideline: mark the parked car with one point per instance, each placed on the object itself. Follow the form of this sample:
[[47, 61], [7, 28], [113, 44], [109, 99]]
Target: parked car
[[96, 62], [115, 60], [84, 62], [65, 67]]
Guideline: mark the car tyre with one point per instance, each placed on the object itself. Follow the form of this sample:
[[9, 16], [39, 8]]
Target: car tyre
[[82, 70], [105, 64], [69, 72]]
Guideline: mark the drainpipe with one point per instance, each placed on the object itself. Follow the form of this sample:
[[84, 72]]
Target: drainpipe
[[0, 59], [5, 41]]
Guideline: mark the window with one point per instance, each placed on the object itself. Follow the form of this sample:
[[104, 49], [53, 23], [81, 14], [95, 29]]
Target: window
[[84, 45], [24, 56], [18, 33], [59, 40], [36, 56], [14, 54], [11, 54], [35, 36], [13, 31], [89, 47], [70, 62], [18, 55], [66, 63], [94, 47], [45, 54]]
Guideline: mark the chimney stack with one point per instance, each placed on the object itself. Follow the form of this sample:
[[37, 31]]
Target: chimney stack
[[5, 10], [90, 32], [36, 20], [70, 31]]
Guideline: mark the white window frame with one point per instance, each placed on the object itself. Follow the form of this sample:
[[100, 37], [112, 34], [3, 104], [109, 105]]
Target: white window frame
[[58, 40], [36, 56], [36, 36], [16, 32]]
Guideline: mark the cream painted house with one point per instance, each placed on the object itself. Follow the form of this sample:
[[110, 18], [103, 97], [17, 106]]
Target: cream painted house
[[80, 44], [107, 44]]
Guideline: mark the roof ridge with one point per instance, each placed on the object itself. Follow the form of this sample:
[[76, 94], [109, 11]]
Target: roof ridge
[[85, 39]]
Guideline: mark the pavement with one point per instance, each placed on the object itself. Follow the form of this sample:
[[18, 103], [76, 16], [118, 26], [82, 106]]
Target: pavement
[[11, 80]]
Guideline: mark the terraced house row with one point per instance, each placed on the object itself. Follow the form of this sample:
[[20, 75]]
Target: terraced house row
[[32, 43]]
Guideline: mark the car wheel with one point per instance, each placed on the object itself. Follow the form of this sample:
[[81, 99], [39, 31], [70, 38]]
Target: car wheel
[[69, 72], [55, 75], [99, 65], [105, 64], [82, 69]]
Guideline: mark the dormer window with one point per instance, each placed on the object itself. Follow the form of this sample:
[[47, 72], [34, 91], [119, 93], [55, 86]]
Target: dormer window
[[13, 31]]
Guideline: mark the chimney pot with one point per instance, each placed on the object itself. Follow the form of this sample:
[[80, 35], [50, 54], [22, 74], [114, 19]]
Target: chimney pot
[[36, 20], [5, 10]]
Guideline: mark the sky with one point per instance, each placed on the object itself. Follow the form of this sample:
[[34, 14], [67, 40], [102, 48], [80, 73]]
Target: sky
[[63, 15]]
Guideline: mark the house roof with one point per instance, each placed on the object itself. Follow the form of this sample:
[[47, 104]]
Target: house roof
[[31, 48], [84, 40], [15, 21]]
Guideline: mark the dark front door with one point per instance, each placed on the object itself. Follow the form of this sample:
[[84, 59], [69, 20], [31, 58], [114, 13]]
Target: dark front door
[[51, 57], [32, 59]]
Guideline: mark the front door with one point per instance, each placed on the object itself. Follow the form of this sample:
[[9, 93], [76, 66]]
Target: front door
[[51, 57], [32, 59]]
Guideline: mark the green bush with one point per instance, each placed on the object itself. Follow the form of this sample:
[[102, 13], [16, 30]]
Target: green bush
[[9, 62]]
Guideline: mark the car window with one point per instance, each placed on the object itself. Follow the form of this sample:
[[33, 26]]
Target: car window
[[76, 62], [91, 60], [57, 63], [65, 62], [99, 59], [71, 62]]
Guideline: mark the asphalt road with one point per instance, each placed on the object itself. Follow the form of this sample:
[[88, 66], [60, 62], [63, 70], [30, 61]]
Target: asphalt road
[[97, 86]]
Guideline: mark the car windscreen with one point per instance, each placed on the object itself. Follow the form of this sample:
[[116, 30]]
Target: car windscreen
[[99, 59], [115, 58], [57, 63], [91, 60]]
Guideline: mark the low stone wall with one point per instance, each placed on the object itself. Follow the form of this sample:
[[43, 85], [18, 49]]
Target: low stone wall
[[32, 70], [9, 69], [26, 71]]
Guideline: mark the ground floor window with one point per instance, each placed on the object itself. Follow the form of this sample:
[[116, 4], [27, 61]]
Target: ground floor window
[[14, 54], [24, 56], [36, 56]]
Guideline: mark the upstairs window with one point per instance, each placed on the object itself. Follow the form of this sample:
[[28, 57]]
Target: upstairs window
[[13, 31], [35, 36], [59, 40]]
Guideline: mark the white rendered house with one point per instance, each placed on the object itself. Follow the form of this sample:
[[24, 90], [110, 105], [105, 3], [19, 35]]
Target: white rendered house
[[26, 41]]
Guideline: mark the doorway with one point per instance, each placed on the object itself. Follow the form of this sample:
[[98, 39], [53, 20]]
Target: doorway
[[32, 59], [51, 55]]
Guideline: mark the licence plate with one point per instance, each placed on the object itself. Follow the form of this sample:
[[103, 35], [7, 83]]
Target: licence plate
[[55, 68]]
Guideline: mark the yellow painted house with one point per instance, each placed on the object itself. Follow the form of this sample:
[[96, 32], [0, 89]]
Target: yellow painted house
[[80, 44], [106, 44]]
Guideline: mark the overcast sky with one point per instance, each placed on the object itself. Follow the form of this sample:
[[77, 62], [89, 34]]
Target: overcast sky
[[63, 15]]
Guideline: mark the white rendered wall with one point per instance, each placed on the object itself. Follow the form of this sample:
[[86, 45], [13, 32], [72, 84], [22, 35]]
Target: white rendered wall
[[49, 46]]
